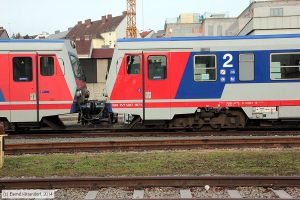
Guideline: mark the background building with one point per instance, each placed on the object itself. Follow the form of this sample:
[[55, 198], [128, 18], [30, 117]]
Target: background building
[[58, 35], [194, 24], [95, 41], [3, 33], [268, 17]]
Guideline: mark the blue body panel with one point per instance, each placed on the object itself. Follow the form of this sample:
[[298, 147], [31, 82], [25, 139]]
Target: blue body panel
[[190, 89], [2, 99]]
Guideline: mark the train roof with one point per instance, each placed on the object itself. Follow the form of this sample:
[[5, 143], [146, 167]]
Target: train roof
[[209, 44], [205, 38], [30, 41], [32, 45]]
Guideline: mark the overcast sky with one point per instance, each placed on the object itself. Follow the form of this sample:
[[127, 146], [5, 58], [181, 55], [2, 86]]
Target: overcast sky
[[35, 16]]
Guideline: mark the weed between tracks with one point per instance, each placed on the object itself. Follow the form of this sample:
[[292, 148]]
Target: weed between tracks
[[221, 162]]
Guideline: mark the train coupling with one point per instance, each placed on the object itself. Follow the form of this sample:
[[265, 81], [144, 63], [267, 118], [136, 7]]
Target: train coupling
[[96, 112]]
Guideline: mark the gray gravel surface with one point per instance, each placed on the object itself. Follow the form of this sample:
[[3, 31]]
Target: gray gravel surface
[[70, 194], [166, 192], [214, 192], [114, 193], [294, 192], [256, 192]]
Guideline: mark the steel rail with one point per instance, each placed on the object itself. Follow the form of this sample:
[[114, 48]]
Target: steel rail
[[150, 181], [161, 144], [93, 134]]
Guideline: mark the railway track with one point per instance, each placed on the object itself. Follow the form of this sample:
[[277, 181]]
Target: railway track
[[230, 184], [45, 134], [154, 144]]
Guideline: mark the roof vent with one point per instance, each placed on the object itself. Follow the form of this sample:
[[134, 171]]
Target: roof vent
[[109, 17], [103, 19], [88, 22], [79, 22]]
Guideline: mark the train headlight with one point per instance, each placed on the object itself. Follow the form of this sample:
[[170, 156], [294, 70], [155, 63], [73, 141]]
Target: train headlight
[[78, 93]]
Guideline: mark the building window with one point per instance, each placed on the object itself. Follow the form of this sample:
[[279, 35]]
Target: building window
[[220, 30], [275, 12], [47, 66], [285, 66], [210, 30], [22, 69], [157, 67], [133, 65], [246, 67], [87, 37], [205, 68]]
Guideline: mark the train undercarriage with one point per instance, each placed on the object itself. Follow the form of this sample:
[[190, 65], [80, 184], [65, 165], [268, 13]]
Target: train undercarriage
[[98, 113]]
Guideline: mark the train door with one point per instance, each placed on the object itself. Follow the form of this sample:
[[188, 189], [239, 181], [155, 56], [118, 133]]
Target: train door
[[23, 87], [156, 86], [132, 84], [49, 85]]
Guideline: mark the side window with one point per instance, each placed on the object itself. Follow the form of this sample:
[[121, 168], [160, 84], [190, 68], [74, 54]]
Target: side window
[[133, 65], [205, 68], [285, 66], [47, 66], [157, 67], [22, 69], [246, 67]]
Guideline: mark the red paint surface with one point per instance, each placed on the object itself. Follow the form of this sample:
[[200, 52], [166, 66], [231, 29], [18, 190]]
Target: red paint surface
[[129, 87], [55, 86], [210, 104], [34, 107]]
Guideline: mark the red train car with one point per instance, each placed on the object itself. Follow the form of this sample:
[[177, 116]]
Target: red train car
[[39, 80]]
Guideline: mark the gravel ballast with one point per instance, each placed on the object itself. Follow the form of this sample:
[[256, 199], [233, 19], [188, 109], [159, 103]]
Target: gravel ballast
[[166, 192], [214, 192], [114, 193]]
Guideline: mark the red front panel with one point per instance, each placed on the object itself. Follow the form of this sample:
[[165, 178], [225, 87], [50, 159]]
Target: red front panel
[[52, 84]]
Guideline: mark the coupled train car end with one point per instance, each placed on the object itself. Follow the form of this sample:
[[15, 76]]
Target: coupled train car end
[[222, 82], [40, 79]]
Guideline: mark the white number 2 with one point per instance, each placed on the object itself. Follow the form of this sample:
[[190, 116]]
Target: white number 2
[[228, 57]]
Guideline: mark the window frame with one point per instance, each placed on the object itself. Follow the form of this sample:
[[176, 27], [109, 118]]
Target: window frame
[[216, 67], [13, 70], [166, 68], [140, 67], [270, 61], [279, 12], [253, 66], [46, 56]]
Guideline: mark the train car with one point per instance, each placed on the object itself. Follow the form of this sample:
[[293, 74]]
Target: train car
[[39, 80], [222, 82]]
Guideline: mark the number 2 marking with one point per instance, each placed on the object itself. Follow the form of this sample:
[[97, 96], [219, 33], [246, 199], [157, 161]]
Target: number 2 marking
[[229, 59]]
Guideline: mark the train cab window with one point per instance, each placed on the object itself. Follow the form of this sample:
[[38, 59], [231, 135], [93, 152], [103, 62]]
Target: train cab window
[[246, 67], [205, 68], [133, 64], [285, 66], [157, 67], [22, 69], [47, 66]]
